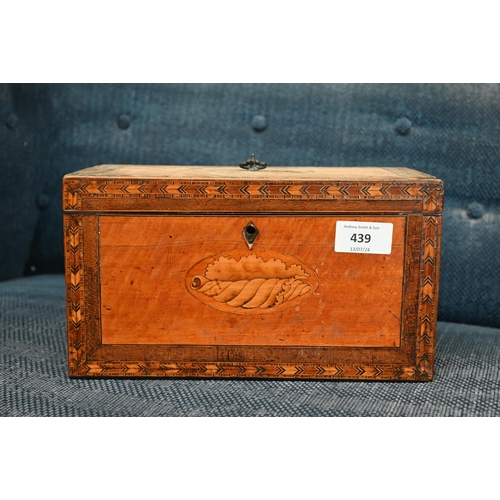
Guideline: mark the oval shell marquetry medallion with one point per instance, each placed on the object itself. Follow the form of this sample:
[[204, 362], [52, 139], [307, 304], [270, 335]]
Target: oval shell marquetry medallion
[[251, 283]]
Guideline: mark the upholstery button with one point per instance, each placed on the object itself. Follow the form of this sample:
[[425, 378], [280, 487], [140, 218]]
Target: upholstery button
[[124, 121], [43, 201], [475, 210], [259, 123], [403, 126], [12, 121]]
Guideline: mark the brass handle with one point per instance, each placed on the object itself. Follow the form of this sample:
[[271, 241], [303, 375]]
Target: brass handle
[[253, 165]]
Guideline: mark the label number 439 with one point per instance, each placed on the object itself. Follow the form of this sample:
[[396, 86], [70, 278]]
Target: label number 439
[[361, 238]]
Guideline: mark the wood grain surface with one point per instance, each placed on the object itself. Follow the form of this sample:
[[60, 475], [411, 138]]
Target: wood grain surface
[[146, 272], [277, 173]]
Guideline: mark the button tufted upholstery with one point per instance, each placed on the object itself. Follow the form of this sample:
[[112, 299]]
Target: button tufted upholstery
[[450, 131]]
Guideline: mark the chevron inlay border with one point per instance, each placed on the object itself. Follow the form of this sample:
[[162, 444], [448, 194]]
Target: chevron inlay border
[[75, 307], [78, 190], [426, 340], [253, 370]]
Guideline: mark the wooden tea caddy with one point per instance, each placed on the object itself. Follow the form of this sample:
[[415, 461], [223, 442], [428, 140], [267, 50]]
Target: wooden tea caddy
[[176, 271]]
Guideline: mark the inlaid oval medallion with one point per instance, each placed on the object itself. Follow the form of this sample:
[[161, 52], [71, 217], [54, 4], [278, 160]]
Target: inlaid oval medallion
[[251, 282]]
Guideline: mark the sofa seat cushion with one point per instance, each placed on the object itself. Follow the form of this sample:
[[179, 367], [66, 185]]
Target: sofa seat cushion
[[34, 379]]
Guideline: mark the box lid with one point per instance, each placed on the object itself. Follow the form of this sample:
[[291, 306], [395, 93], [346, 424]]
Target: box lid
[[157, 188]]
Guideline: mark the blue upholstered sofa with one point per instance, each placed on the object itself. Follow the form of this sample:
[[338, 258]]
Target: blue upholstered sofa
[[46, 131]]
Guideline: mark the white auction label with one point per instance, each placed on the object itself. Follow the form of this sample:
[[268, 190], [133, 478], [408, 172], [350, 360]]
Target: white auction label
[[363, 237]]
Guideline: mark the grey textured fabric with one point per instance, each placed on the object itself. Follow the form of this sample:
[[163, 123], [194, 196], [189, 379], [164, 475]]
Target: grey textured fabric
[[448, 130], [34, 380]]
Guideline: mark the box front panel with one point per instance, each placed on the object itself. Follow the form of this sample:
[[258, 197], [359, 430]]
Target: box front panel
[[193, 280]]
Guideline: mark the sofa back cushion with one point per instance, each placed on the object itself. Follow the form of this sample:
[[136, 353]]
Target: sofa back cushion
[[450, 131]]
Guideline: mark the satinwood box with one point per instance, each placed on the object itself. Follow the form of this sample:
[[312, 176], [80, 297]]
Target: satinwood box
[[283, 272]]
